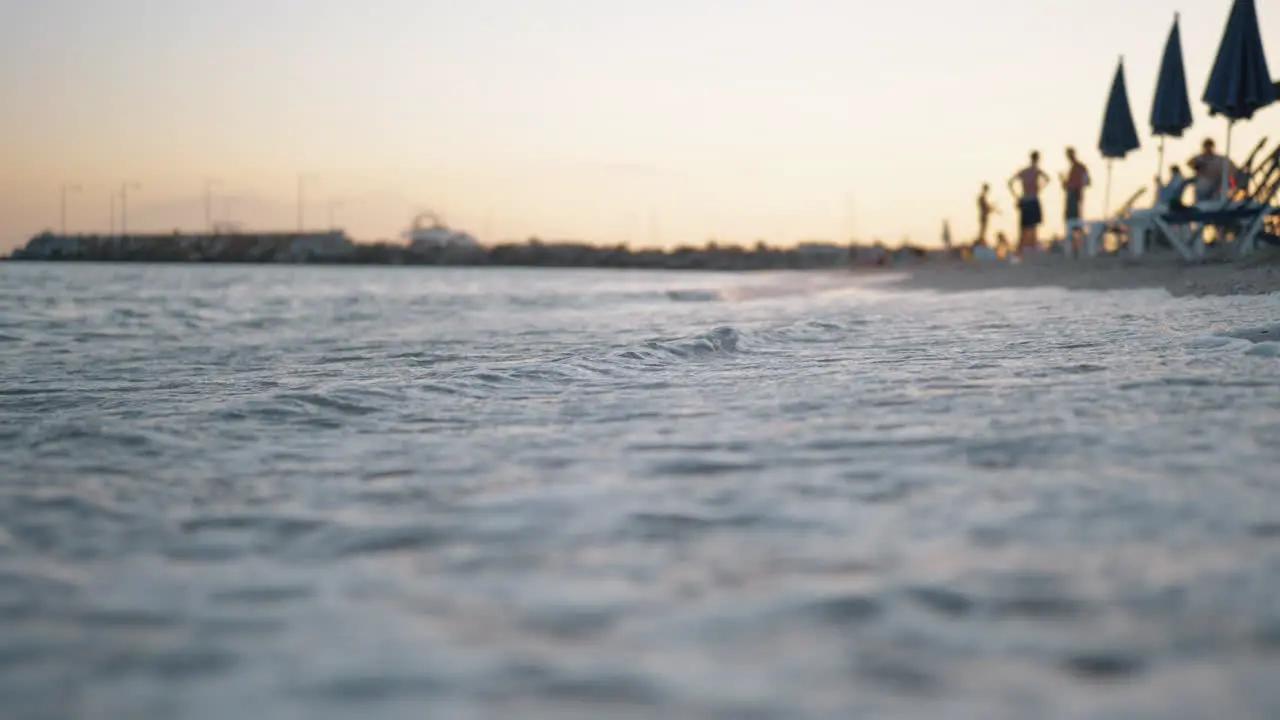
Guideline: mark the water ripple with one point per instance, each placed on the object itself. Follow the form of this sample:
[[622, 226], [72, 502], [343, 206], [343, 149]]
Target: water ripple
[[321, 492]]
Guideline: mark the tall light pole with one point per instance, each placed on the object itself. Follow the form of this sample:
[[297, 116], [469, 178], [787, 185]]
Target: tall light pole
[[65, 189], [112, 230], [209, 184], [124, 204], [334, 204], [849, 227], [226, 210], [302, 180]]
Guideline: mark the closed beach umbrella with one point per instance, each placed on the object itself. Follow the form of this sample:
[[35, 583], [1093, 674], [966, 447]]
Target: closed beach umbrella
[[1171, 107], [1240, 84], [1119, 134]]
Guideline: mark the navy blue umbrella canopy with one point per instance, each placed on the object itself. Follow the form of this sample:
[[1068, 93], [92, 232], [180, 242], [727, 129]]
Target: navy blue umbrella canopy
[[1171, 107], [1119, 134], [1240, 83]]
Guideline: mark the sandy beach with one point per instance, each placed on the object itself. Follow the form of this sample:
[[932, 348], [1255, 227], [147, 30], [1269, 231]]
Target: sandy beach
[[1258, 274]]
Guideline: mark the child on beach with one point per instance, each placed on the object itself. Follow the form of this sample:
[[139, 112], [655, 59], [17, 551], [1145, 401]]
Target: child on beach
[[1003, 249]]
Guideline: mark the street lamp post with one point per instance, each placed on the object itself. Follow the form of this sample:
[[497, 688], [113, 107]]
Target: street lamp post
[[209, 184], [302, 179], [63, 212], [226, 210], [124, 204], [333, 207]]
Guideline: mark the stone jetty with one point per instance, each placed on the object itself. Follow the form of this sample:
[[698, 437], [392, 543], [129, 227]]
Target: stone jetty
[[336, 248]]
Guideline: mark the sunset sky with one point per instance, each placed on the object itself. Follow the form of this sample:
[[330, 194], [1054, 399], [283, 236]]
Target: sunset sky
[[661, 122]]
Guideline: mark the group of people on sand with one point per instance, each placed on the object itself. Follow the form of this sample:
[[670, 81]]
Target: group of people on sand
[[1026, 185], [1029, 183]]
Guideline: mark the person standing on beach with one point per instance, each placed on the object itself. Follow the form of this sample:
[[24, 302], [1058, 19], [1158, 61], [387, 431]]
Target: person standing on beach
[[1074, 182], [985, 209], [1030, 214]]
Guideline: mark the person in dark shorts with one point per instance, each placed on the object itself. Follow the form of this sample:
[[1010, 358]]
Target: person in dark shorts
[[1030, 214], [1074, 182]]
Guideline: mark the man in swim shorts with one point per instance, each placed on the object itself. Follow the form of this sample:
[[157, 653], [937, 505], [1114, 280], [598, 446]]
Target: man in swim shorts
[[1030, 215], [1074, 182]]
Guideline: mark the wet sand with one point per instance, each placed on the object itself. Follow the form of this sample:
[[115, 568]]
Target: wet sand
[[1256, 275]]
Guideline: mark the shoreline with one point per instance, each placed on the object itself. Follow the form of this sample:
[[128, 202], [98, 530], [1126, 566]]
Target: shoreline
[[335, 248], [1258, 274]]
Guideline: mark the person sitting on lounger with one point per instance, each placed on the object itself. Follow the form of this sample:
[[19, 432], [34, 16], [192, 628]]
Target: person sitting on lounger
[[1169, 195], [1209, 167], [1168, 199]]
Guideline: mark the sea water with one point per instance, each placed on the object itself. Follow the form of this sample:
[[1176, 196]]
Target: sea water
[[299, 492]]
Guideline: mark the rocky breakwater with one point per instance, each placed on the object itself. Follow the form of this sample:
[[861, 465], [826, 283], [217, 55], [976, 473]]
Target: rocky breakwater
[[283, 247], [336, 248]]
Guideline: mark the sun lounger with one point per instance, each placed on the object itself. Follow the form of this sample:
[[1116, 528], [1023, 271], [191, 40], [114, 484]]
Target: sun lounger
[[1247, 216], [1092, 231]]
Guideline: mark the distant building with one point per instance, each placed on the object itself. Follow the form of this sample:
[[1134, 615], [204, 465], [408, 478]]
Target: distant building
[[428, 233], [47, 245], [822, 254], [331, 245]]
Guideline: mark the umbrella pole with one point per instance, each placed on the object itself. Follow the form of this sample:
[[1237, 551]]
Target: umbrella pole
[[1160, 164], [1226, 161], [1106, 199]]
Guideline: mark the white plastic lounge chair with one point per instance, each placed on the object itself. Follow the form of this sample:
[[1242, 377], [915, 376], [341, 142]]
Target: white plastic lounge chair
[[1246, 216], [1093, 230]]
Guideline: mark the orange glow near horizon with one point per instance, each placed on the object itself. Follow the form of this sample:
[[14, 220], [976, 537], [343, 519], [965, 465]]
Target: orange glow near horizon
[[663, 124]]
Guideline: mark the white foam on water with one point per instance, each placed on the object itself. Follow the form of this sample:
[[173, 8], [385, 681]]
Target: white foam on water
[[397, 492]]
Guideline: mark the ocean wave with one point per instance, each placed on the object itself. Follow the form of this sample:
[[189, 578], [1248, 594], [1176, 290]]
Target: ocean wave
[[548, 494], [694, 295], [718, 342]]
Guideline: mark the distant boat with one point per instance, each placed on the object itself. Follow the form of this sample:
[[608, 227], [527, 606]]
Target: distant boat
[[428, 232]]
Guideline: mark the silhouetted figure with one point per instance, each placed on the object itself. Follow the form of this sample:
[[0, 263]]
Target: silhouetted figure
[[1168, 199], [1169, 195], [1002, 246], [1074, 182], [1030, 214], [982, 252], [1208, 167], [985, 210]]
